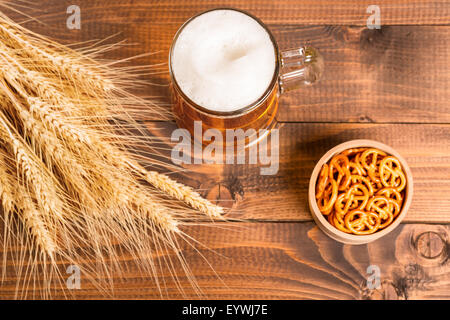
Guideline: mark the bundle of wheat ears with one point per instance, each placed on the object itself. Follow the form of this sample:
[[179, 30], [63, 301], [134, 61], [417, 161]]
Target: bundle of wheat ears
[[71, 187]]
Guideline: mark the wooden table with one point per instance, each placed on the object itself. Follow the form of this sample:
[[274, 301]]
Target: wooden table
[[390, 85]]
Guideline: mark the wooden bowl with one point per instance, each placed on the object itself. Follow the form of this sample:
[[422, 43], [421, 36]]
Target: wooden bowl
[[332, 231]]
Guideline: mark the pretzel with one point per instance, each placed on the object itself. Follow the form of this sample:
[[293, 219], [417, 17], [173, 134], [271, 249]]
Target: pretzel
[[355, 168], [340, 164], [370, 152], [361, 190], [370, 220], [355, 197], [396, 207], [391, 193], [321, 183], [374, 176], [357, 163], [338, 222], [353, 151], [364, 180], [391, 174], [383, 207], [343, 204], [326, 202]]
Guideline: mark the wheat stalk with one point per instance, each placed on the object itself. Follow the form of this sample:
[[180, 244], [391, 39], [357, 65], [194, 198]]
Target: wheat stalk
[[44, 112], [160, 181], [69, 66], [64, 159], [67, 171], [54, 151], [34, 222], [6, 194], [42, 185], [18, 201], [54, 148], [180, 192]]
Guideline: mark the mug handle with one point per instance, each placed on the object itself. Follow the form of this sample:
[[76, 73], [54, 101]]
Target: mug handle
[[299, 67]]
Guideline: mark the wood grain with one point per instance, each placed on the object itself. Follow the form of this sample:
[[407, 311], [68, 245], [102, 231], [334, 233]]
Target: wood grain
[[370, 75], [389, 85], [295, 261], [346, 12], [395, 74], [283, 197]]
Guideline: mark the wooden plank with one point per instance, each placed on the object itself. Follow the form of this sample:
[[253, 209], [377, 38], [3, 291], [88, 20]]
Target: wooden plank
[[346, 12], [283, 197], [295, 261], [396, 74]]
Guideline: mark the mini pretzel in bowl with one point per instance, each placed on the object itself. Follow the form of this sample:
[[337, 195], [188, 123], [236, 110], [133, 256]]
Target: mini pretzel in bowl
[[360, 191]]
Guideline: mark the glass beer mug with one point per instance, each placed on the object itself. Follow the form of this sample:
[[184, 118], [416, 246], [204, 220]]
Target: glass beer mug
[[292, 69]]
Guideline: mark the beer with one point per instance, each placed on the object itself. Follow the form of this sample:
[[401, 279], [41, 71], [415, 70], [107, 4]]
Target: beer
[[227, 72], [223, 60]]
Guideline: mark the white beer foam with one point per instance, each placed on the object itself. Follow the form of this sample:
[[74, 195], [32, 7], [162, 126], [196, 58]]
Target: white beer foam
[[223, 60]]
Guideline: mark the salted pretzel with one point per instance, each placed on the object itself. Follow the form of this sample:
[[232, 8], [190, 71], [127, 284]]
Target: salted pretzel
[[391, 173], [321, 183], [382, 206], [353, 151], [357, 163], [391, 193], [330, 193], [361, 190], [339, 166], [370, 153], [363, 180], [362, 222], [356, 196]]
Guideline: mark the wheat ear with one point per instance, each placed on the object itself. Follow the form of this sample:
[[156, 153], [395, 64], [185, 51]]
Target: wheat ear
[[34, 176], [67, 65], [54, 148], [45, 111], [77, 137], [58, 103], [19, 199], [53, 151], [159, 181], [6, 194], [32, 219], [180, 192], [157, 213]]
